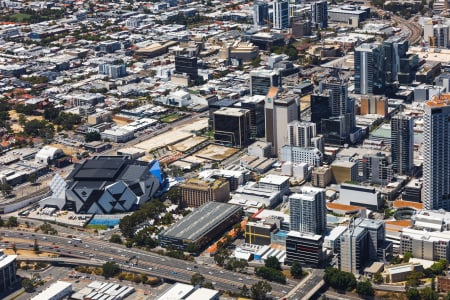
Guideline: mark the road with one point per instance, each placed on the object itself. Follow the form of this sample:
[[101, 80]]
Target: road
[[302, 290], [147, 262]]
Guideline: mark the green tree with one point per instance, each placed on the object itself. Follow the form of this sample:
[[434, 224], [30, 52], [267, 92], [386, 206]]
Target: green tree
[[6, 189], [32, 178], [377, 278], [48, 229], [296, 270], [244, 291], [395, 260], [174, 195], [438, 267], [208, 285], [407, 257], [167, 219], [110, 269], [197, 279], [92, 136], [192, 248], [12, 222], [271, 274], [221, 256], [272, 262], [127, 226], [412, 294], [36, 246], [115, 238], [28, 286], [39, 128], [22, 119], [364, 288], [14, 248], [51, 113], [339, 280], [260, 289], [428, 294], [2, 223], [413, 279]]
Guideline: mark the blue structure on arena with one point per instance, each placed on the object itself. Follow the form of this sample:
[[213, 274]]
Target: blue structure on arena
[[155, 170]]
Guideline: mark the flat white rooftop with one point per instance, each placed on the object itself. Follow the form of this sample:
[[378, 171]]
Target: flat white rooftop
[[53, 290]]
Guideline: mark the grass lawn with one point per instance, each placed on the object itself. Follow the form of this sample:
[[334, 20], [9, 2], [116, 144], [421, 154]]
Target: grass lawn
[[21, 17], [170, 118], [98, 227]]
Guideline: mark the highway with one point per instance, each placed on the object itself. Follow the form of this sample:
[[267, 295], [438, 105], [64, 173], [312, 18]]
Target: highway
[[147, 262], [310, 283]]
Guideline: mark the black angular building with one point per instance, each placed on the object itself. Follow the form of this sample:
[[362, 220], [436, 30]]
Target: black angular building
[[185, 64]]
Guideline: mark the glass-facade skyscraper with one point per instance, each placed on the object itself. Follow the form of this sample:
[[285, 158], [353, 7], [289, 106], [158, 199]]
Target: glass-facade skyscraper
[[369, 69], [402, 143], [280, 14]]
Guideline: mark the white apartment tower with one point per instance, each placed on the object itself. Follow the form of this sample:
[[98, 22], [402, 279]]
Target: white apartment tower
[[436, 154], [308, 211], [279, 112], [301, 133]]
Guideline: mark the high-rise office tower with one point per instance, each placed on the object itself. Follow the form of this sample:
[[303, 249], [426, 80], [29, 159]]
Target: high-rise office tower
[[260, 13], [402, 143], [256, 107], [440, 38], [363, 243], [320, 109], [279, 112], [369, 69], [262, 80], [353, 250], [436, 153], [395, 49], [319, 13], [232, 126], [377, 233], [280, 14], [308, 211], [337, 128], [301, 133], [338, 97]]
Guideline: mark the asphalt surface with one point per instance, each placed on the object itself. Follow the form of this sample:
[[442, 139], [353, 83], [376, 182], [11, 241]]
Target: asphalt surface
[[311, 282], [147, 262]]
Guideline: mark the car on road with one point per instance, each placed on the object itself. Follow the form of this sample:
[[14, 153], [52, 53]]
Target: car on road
[[221, 272], [174, 273], [189, 269]]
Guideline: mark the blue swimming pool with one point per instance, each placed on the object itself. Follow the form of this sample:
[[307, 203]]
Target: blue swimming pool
[[103, 221]]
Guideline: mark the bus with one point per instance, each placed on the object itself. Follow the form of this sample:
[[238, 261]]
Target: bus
[[77, 240]]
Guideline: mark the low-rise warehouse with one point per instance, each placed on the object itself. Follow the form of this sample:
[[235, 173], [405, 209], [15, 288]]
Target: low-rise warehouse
[[201, 226]]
